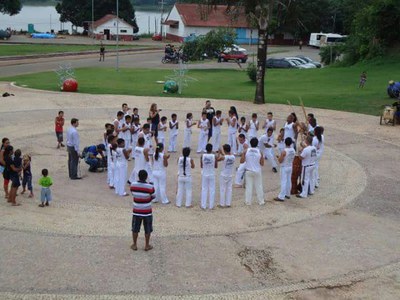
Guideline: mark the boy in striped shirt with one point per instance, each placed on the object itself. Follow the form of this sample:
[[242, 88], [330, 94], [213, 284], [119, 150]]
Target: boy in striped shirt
[[143, 193]]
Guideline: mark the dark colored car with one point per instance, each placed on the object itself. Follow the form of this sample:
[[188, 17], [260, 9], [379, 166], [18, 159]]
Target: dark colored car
[[279, 63], [233, 55]]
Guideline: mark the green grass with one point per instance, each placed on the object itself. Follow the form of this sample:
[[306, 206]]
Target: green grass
[[31, 49], [332, 88]]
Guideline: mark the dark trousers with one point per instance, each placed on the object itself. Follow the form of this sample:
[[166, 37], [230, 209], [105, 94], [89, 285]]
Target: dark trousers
[[73, 160]]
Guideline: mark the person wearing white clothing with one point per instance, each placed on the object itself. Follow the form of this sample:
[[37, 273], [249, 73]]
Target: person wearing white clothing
[[111, 159], [134, 134], [253, 162], [73, 142], [243, 145], [281, 140], [162, 129], [216, 124], [204, 126], [121, 168], [266, 144], [185, 164], [232, 124], [141, 156], [290, 129], [253, 126], [160, 162], [187, 133], [286, 160], [308, 158], [173, 133], [269, 122], [318, 142], [226, 175], [119, 124], [127, 132], [208, 164]]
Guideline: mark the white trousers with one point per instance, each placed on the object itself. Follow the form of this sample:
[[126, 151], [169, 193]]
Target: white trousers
[[135, 173], [316, 171], [160, 183], [307, 178], [254, 178], [128, 143], [161, 140], [172, 143], [240, 149], [187, 138], [120, 173], [269, 154], [286, 182], [110, 173], [225, 189], [207, 189], [134, 143], [216, 139], [203, 136], [239, 178], [184, 186], [232, 142]]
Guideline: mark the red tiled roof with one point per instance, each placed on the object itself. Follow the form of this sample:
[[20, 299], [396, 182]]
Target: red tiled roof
[[215, 16], [105, 19]]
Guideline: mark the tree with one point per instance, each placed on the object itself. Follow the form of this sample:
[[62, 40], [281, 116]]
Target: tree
[[10, 7], [79, 11], [263, 15]]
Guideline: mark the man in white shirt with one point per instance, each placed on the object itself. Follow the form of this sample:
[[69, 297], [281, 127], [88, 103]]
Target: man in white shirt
[[73, 149], [254, 161], [308, 158]]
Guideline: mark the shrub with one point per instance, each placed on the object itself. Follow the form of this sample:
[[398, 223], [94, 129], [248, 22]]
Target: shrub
[[252, 72]]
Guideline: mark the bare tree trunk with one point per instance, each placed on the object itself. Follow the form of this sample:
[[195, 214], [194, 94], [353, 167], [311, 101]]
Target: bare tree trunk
[[261, 61]]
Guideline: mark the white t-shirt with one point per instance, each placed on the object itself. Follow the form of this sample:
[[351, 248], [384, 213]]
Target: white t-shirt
[[269, 124], [265, 139], [289, 157], [228, 166], [120, 157], [204, 126], [140, 160], [289, 131], [208, 161], [252, 128], [174, 130], [242, 130], [188, 125], [161, 132], [187, 166], [126, 135], [217, 128], [319, 145], [120, 124], [232, 125], [158, 165], [252, 162], [309, 155]]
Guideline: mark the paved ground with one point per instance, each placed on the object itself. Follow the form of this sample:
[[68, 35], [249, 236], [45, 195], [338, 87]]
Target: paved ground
[[341, 243]]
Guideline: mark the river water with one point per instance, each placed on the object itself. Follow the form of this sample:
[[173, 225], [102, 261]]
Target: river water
[[46, 18]]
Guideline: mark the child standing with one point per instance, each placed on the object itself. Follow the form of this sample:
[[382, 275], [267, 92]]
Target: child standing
[[208, 163], [111, 158], [286, 160], [243, 127], [135, 133], [45, 182], [162, 128], [121, 168], [281, 140], [363, 79], [266, 145], [173, 133], [232, 124], [185, 163], [59, 123], [269, 122], [160, 162], [253, 126], [119, 124], [127, 132], [217, 123], [225, 181], [27, 175], [187, 138], [204, 126]]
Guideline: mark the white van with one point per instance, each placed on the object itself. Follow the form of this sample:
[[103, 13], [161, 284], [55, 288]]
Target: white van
[[324, 39]]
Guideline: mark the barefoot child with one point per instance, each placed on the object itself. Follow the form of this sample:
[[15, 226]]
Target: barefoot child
[[253, 127], [45, 182], [286, 160], [208, 163], [160, 162], [111, 158], [232, 125], [226, 176], [269, 122], [135, 129], [173, 133], [281, 140], [59, 123], [217, 122], [162, 129], [27, 175], [185, 163], [204, 126], [187, 137]]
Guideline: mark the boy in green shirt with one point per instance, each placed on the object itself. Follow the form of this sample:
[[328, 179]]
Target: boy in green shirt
[[45, 182]]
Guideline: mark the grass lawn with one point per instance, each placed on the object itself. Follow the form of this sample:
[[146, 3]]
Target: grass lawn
[[332, 87], [30, 49]]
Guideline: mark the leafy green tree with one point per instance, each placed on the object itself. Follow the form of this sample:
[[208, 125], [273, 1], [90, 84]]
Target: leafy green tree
[[79, 11], [10, 7]]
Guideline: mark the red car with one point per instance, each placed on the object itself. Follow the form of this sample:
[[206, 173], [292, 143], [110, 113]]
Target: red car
[[233, 55], [157, 37]]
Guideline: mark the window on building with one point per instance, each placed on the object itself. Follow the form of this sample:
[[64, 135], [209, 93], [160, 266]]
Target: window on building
[[123, 31]]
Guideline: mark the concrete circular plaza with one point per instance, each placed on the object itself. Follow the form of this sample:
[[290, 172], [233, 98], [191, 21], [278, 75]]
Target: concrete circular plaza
[[343, 242]]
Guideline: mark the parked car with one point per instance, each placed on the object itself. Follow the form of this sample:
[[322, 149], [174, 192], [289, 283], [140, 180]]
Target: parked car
[[302, 62], [233, 55], [156, 37], [307, 59], [234, 48], [135, 37], [280, 63]]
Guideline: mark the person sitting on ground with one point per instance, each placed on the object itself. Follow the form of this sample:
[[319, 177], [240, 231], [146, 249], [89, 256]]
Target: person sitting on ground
[[92, 157]]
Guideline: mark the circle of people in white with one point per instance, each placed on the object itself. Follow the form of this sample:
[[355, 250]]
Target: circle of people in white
[[126, 138]]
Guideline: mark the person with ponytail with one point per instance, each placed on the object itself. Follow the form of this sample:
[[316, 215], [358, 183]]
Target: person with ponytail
[[318, 142], [185, 163], [160, 162]]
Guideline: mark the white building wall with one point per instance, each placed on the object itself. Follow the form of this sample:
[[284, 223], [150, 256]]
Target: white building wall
[[112, 26]]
